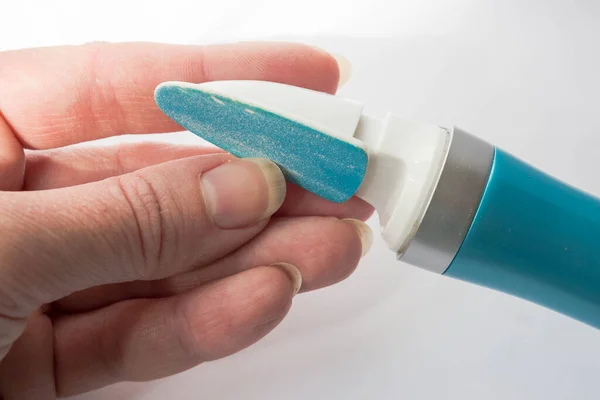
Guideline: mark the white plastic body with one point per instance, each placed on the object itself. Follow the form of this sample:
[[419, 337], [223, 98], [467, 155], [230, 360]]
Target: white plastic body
[[405, 163], [405, 158]]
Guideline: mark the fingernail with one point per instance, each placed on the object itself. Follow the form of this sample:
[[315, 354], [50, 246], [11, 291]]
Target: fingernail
[[364, 233], [344, 66], [293, 273], [243, 192], [345, 69]]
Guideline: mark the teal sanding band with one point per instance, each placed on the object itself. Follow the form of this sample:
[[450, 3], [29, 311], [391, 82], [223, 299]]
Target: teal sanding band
[[320, 163]]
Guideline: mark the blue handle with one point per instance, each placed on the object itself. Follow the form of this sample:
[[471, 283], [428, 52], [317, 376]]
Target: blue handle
[[536, 238]]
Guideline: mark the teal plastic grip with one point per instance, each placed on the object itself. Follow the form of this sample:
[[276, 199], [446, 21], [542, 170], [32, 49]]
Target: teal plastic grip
[[536, 238]]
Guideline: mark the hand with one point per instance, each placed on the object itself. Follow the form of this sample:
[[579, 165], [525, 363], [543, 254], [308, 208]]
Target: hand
[[135, 262]]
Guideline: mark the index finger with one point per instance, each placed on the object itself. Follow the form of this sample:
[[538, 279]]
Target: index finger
[[53, 97]]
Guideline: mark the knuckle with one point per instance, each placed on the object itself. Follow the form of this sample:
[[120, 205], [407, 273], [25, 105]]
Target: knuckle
[[121, 155], [148, 224], [102, 88]]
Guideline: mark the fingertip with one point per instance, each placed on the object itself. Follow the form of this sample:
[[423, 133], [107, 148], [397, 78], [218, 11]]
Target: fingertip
[[326, 250], [344, 68], [267, 292], [293, 273], [364, 234], [270, 291], [234, 313], [344, 256], [361, 210], [294, 63], [334, 69]]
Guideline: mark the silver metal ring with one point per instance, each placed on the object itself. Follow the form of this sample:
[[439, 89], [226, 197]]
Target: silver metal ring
[[453, 204]]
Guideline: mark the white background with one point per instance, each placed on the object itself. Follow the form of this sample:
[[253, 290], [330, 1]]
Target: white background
[[522, 74]]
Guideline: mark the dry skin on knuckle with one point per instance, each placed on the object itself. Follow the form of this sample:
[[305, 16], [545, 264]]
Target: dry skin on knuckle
[[145, 208], [103, 107], [121, 157], [116, 91]]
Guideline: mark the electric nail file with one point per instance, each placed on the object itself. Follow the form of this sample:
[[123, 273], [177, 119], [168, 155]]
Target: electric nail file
[[447, 201]]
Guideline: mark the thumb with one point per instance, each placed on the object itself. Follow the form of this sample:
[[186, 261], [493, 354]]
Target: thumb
[[149, 224]]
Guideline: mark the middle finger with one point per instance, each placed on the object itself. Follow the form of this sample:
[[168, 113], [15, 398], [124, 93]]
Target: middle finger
[[326, 250]]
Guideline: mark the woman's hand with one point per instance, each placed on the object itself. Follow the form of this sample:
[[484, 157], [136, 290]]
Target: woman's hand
[[139, 261]]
